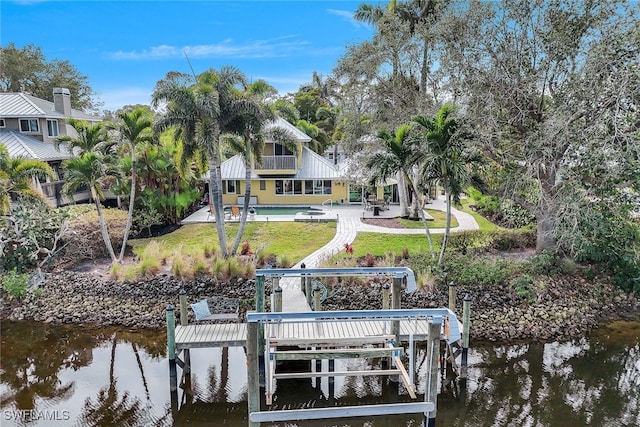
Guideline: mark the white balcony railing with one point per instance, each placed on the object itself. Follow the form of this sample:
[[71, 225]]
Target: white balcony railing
[[278, 162]]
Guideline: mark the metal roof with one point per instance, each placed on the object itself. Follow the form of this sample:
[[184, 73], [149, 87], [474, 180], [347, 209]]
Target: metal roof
[[312, 166], [23, 105], [281, 123], [19, 144]]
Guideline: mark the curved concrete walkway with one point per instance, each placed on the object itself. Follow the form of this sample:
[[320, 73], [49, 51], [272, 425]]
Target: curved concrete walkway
[[349, 224]]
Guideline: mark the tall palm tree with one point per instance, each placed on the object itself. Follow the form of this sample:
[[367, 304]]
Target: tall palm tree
[[16, 175], [398, 157], [135, 128], [201, 112], [446, 160], [90, 169], [250, 138], [419, 14]]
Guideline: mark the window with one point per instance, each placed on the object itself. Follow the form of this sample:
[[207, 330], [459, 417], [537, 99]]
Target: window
[[52, 127], [288, 187], [1, 123], [281, 150], [317, 186], [263, 185], [29, 125], [231, 187]]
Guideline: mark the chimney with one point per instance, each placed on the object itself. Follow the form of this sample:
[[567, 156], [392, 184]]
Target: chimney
[[62, 100]]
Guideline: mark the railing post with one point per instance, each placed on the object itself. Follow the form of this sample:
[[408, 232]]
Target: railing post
[[260, 309], [395, 304], [317, 293], [466, 324], [184, 317], [433, 353], [171, 354], [277, 299], [452, 296], [386, 294], [253, 371]]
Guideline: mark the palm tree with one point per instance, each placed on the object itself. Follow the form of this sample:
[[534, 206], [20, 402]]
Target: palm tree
[[135, 128], [250, 138], [90, 169], [446, 160], [201, 112], [419, 13], [16, 176], [91, 137], [398, 157]]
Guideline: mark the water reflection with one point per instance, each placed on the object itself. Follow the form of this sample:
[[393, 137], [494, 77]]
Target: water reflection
[[111, 377]]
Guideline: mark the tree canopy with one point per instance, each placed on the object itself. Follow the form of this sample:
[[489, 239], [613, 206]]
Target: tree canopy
[[27, 70]]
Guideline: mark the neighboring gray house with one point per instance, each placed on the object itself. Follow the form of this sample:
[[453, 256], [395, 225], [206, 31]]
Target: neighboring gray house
[[30, 125]]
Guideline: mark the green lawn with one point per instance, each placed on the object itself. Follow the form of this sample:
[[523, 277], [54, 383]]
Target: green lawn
[[485, 224], [439, 220], [378, 244], [295, 240]]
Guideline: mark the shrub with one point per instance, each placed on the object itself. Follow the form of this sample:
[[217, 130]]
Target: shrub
[[390, 259], [16, 284], [151, 259], [199, 264], [523, 285], [31, 226], [231, 269], [369, 260], [478, 270], [85, 239], [245, 249], [182, 264], [283, 261], [546, 263]]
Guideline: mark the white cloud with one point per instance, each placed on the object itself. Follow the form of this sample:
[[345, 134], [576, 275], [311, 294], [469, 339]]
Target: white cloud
[[228, 48], [346, 15]]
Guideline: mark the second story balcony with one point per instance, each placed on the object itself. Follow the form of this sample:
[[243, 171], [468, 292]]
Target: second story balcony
[[277, 165]]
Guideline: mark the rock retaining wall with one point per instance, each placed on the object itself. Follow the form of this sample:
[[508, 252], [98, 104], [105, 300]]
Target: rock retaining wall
[[566, 307]]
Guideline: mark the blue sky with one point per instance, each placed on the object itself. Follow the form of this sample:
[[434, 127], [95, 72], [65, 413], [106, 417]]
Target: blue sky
[[125, 47]]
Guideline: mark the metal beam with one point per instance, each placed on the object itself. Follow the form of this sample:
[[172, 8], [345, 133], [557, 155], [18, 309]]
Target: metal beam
[[340, 412], [398, 272]]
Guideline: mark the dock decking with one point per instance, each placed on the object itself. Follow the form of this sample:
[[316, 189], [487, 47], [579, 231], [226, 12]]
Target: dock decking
[[319, 333]]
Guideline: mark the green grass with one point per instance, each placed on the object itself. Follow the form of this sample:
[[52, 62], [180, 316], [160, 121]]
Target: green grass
[[294, 240], [439, 220], [378, 244], [485, 224]]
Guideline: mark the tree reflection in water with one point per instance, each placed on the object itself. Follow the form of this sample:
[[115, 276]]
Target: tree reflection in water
[[122, 379]]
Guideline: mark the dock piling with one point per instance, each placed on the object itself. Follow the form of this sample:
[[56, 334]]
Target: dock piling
[[466, 324], [184, 317], [452, 296], [317, 293], [253, 371], [277, 299], [171, 353], [433, 352]]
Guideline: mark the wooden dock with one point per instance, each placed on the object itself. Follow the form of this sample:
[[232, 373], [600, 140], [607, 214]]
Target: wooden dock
[[211, 335], [270, 338]]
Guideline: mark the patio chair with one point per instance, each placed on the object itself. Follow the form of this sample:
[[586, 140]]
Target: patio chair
[[235, 212], [231, 309]]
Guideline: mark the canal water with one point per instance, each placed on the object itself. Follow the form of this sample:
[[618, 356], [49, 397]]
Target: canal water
[[73, 376]]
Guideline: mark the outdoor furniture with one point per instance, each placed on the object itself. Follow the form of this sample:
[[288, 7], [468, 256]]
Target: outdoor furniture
[[229, 310], [235, 212]]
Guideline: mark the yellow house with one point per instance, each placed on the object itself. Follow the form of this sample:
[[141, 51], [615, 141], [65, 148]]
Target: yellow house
[[284, 178]]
